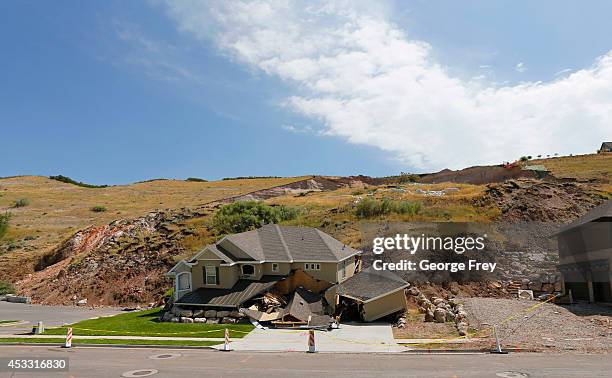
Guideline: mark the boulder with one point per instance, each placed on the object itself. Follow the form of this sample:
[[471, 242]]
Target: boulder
[[438, 301], [212, 320], [450, 316], [197, 313], [167, 316], [199, 320], [235, 314], [210, 314], [222, 314], [186, 320], [429, 315], [454, 288], [462, 328], [535, 286], [82, 302], [228, 320], [460, 315], [439, 315], [413, 291], [175, 319]]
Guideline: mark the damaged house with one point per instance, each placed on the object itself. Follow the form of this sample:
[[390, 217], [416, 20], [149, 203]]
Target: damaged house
[[279, 274], [231, 273]]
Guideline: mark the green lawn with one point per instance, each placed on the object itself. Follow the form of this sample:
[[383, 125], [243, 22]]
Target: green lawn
[[144, 323], [26, 340]]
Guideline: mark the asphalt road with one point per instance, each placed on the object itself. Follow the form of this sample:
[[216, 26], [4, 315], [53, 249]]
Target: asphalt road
[[31, 314], [113, 362]]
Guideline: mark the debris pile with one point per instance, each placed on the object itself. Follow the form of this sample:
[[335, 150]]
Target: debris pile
[[304, 310]]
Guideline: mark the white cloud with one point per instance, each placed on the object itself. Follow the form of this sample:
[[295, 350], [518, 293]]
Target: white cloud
[[369, 83], [564, 71], [520, 67]]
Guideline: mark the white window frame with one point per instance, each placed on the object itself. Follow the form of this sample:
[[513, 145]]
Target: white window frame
[[178, 281], [275, 267], [312, 266], [246, 274], [214, 274]]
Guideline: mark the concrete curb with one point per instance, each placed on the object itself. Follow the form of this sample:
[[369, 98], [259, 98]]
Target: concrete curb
[[412, 351]]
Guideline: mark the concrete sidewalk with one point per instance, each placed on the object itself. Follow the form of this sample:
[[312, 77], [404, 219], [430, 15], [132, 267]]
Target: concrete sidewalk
[[353, 338], [114, 337]]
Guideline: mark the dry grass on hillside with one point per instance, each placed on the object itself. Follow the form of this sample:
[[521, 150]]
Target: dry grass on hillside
[[334, 211], [582, 167], [457, 203]]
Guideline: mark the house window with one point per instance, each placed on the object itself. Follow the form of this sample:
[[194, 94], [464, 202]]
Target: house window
[[312, 266], [274, 267], [210, 275], [248, 270], [184, 281]]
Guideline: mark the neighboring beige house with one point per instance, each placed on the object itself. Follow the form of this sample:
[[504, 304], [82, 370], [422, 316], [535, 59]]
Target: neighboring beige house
[[240, 266]]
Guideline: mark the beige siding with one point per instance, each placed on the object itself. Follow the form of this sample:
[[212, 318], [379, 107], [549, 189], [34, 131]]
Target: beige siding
[[347, 267], [384, 306], [228, 275], [283, 269], [328, 271]]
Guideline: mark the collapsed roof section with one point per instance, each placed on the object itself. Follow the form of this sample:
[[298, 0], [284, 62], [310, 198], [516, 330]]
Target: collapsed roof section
[[370, 284]]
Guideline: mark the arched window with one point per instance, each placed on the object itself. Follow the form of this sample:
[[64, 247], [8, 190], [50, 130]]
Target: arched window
[[248, 270], [184, 281]]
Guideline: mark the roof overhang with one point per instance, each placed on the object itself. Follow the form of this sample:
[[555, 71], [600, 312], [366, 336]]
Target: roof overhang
[[374, 298], [172, 272]]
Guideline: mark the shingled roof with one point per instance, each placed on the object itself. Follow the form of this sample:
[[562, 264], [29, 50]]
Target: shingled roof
[[241, 292], [370, 284], [599, 213], [274, 243]]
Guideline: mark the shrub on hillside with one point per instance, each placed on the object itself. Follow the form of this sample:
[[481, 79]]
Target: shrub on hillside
[[6, 288], [369, 207], [68, 180], [195, 179], [243, 216], [98, 209], [23, 202], [4, 223]]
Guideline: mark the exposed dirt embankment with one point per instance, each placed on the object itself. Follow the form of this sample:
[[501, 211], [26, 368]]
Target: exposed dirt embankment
[[534, 200], [119, 263], [476, 175]]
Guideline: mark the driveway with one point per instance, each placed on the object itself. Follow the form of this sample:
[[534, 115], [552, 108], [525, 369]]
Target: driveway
[[351, 337], [51, 316]]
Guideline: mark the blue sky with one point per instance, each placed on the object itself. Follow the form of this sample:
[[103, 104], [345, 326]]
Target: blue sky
[[115, 92]]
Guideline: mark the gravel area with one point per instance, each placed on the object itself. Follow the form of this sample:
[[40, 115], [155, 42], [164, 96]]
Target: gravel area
[[579, 327]]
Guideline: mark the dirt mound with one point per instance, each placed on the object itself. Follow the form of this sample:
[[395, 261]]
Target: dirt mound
[[533, 200], [119, 263], [476, 175]]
